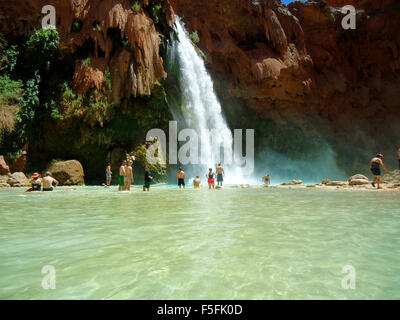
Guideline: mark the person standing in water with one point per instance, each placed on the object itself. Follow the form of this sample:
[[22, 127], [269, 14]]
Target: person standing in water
[[220, 174], [181, 178], [147, 179], [211, 179], [121, 178], [129, 172], [375, 165], [48, 182], [108, 175], [196, 183]]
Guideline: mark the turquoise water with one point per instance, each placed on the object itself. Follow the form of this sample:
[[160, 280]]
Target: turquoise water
[[259, 243]]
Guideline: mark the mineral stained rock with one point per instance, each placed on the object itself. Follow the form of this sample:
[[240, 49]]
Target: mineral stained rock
[[67, 173]]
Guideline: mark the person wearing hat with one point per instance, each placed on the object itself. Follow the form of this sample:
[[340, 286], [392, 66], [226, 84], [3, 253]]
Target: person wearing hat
[[36, 182], [375, 166], [48, 182]]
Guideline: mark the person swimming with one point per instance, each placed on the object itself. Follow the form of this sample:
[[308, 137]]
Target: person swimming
[[196, 182], [211, 179], [375, 165]]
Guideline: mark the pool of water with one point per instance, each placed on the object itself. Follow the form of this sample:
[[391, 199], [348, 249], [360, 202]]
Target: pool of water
[[270, 243]]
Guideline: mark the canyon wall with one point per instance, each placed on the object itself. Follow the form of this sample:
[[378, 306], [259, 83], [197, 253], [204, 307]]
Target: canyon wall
[[105, 85], [302, 81]]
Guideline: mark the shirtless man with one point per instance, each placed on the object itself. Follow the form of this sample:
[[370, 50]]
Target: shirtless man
[[196, 183], [108, 175], [220, 174], [48, 182], [129, 175], [267, 179], [211, 179], [121, 178], [375, 165], [181, 178]]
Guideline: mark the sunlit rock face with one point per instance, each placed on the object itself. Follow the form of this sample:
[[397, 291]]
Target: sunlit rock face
[[96, 26], [297, 68]]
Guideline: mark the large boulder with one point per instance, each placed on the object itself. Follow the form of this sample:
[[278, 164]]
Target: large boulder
[[4, 169], [3, 181], [67, 173], [358, 180], [18, 179]]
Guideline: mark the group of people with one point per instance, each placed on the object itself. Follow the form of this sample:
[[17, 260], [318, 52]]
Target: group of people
[[210, 175], [48, 183], [126, 176]]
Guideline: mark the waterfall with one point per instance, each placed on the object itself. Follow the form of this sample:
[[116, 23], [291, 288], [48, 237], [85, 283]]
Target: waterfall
[[201, 109]]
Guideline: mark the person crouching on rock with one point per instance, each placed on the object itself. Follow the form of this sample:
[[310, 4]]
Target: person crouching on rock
[[49, 182], [375, 165], [36, 182]]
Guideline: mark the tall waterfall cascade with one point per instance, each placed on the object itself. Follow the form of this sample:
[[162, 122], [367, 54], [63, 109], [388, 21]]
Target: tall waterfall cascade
[[202, 110]]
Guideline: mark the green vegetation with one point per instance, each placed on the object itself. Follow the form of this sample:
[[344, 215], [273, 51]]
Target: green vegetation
[[135, 7], [10, 90], [77, 26], [143, 28], [93, 108], [87, 62], [155, 11], [194, 36], [96, 26], [43, 44], [8, 59]]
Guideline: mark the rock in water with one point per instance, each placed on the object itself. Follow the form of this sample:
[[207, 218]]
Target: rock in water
[[18, 179], [392, 177], [68, 173], [358, 180], [336, 184], [4, 169]]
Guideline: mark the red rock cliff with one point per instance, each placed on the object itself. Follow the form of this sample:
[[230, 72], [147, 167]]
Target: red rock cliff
[[98, 23], [292, 64]]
